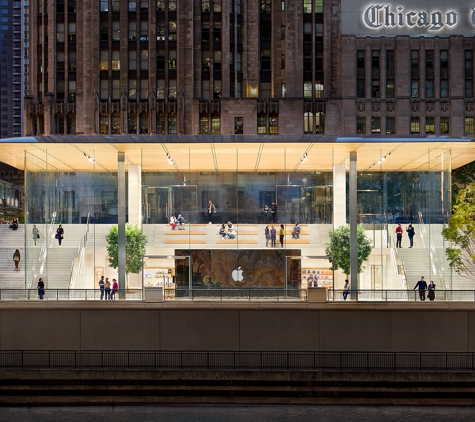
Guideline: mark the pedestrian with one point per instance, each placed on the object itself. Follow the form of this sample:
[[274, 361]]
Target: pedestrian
[[410, 232], [36, 234], [267, 234], [273, 235], [211, 210], [181, 222], [173, 222], [107, 288], [281, 235], [346, 289], [222, 231], [115, 288], [16, 259], [398, 236], [265, 213], [431, 288], [273, 211], [59, 234], [422, 288], [101, 286], [296, 231], [41, 288]]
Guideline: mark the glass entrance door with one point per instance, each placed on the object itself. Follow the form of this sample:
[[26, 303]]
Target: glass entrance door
[[155, 202], [184, 200]]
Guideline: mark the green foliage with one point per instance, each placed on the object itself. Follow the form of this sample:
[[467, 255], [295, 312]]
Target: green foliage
[[461, 177], [338, 250], [135, 242], [461, 233]]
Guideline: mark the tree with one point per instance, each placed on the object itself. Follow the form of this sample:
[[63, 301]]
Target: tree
[[461, 177], [135, 242], [338, 250], [461, 233]]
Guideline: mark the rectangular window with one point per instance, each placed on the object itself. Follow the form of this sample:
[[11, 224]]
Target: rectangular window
[[204, 124], [318, 6], [265, 90], [375, 88], [375, 125], [115, 89], [415, 59], [132, 60], [115, 31], [238, 125], [273, 124], [262, 124], [360, 74], [414, 88], [390, 125], [144, 89], [104, 89], [361, 125], [283, 90], [115, 60], [468, 125], [282, 32], [307, 6], [375, 59], [172, 124], [143, 59], [215, 121], [430, 127], [429, 88], [282, 61], [444, 88], [161, 123], [318, 89], [444, 59], [468, 88], [390, 88], [132, 89], [308, 123], [444, 125], [415, 126], [307, 89], [143, 31]]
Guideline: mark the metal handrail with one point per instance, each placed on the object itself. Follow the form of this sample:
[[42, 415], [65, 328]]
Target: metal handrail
[[361, 361], [66, 294], [408, 295]]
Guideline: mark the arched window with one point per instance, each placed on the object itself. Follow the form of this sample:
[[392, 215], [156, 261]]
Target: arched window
[[204, 124], [115, 124], [308, 122], [274, 124], [262, 123]]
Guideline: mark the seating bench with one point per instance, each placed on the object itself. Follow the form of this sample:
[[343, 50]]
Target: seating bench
[[184, 242], [185, 232], [236, 241]]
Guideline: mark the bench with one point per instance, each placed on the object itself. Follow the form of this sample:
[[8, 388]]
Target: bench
[[297, 242], [185, 232], [244, 232], [236, 241], [302, 232], [185, 242]]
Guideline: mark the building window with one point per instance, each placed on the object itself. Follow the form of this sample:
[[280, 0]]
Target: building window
[[274, 124], [143, 123], [469, 125], [307, 6], [390, 88], [360, 74], [216, 122], [307, 89], [320, 123], [204, 124], [261, 124], [429, 88], [444, 88], [444, 125], [308, 122], [265, 90], [172, 129], [104, 123], [390, 125], [414, 88], [430, 127], [415, 126], [361, 126], [283, 90], [468, 73], [375, 88], [282, 61], [282, 32], [115, 124], [468, 88], [132, 123], [238, 125], [132, 89], [390, 74], [375, 125], [161, 123], [205, 7], [318, 89]]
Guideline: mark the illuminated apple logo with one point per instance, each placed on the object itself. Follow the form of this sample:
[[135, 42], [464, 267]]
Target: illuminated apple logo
[[237, 275]]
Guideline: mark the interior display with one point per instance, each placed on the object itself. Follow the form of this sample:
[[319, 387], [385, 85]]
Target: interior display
[[158, 277], [317, 277], [220, 268]]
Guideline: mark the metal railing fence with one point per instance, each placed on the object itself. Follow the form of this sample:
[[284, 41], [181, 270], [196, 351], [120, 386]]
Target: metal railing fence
[[402, 295], [249, 360], [65, 294]]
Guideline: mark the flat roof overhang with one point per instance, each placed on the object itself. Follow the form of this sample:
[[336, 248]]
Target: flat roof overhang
[[238, 153]]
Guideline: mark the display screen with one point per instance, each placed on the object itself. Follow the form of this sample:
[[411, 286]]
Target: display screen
[[253, 268]]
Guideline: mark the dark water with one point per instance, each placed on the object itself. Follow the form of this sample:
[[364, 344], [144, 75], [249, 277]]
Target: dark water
[[238, 414]]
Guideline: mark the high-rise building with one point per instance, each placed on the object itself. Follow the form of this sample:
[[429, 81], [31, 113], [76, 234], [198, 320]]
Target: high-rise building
[[14, 46]]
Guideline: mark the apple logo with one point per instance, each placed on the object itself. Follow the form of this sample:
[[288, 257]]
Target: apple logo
[[237, 275]]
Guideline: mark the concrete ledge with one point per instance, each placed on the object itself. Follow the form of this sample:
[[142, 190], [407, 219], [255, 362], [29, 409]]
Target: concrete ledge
[[244, 232], [297, 242]]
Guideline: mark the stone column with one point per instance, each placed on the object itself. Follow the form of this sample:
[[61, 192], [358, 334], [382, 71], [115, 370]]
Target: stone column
[[121, 222], [353, 225], [135, 195]]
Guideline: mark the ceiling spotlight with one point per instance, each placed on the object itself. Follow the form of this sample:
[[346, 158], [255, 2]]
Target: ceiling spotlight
[[170, 159], [383, 159], [85, 155], [379, 161]]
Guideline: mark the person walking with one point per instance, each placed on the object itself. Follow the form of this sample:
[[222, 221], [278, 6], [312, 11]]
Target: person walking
[[115, 288], [101, 286], [16, 259], [107, 288], [273, 235], [296, 231], [281, 235], [273, 211], [410, 233], [346, 289], [422, 288], [211, 210], [36, 234], [431, 288], [265, 213], [59, 235], [398, 236], [267, 234], [41, 288]]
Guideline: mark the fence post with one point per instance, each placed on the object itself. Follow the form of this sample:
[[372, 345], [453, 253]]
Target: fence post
[[341, 361], [420, 361]]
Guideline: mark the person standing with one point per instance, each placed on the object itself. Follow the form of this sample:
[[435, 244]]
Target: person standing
[[431, 288], [281, 235], [422, 288], [211, 210], [101, 286], [265, 213], [273, 235], [267, 234], [107, 288], [273, 211], [346, 289], [115, 288], [36, 234], [398, 236], [296, 231], [410, 232], [16, 259], [59, 234], [41, 288]]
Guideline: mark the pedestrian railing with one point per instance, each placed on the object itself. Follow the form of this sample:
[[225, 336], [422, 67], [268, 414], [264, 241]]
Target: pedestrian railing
[[248, 360], [67, 294], [235, 294], [402, 295]]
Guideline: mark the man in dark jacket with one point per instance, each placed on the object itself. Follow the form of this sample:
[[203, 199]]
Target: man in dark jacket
[[422, 288]]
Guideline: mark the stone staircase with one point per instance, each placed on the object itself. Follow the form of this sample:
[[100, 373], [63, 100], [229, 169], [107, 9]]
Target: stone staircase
[[9, 241]]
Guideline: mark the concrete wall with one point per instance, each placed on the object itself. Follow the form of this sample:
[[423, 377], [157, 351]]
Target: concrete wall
[[428, 327]]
